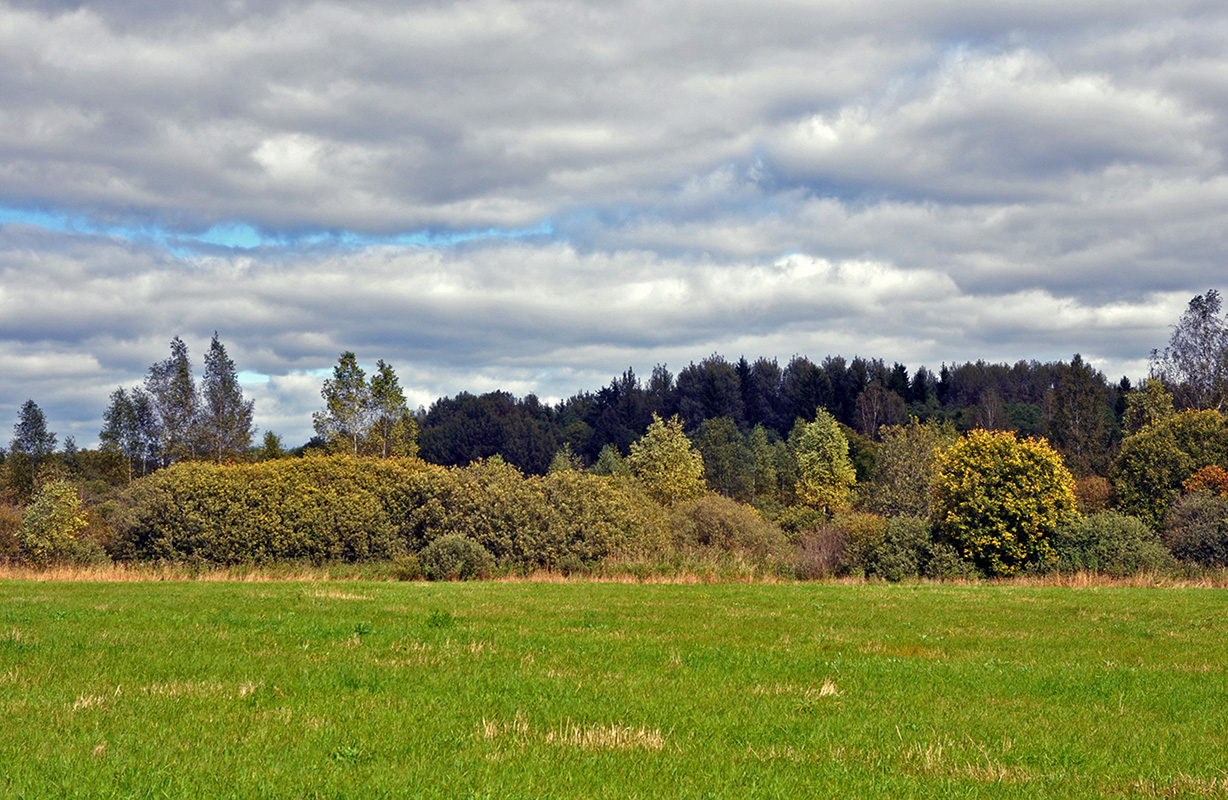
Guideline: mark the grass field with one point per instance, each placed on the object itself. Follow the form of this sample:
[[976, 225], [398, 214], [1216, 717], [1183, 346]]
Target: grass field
[[352, 689]]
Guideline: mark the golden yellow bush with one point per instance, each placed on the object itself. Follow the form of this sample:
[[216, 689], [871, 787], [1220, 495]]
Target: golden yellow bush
[[999, 500]]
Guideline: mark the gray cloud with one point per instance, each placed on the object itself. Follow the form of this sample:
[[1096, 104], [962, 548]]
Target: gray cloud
[[923, 182]]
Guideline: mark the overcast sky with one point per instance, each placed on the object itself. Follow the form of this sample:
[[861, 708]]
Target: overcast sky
[[534, 196]]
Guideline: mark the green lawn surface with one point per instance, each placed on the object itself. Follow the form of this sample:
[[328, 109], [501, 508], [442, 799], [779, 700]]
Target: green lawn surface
[[353, 689]]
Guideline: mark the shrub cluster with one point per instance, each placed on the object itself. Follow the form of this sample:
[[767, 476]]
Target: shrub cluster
[[452, 557], [717, 522], [1109, 543], [891, 548], [340, 508], [1196, 529]]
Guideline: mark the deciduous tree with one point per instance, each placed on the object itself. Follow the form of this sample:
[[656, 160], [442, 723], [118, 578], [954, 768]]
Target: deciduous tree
[[1151, 404], [30, 434], [175, 403], [1196, 359], [393, 431], [225, 425], [346, 417], [664, 460], [728, 462], [906, 468], [825, 474]]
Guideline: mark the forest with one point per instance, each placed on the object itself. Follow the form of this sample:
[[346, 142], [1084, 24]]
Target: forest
[[811, 468]]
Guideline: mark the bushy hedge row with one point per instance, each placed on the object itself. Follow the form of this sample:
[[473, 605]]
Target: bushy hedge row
[[347, 509], [417, 515]]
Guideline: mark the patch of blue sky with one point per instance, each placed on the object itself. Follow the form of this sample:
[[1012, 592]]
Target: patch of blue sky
[[242, 236]]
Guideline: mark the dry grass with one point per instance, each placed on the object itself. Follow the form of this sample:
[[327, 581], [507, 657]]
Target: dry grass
[[618, 573], [569, 734]]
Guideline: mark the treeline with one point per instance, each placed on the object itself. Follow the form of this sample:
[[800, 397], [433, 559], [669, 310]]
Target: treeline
[[811, 469], [732, 409]]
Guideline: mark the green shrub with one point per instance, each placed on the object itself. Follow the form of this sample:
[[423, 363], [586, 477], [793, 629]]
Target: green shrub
[[946, 563], [1109, 543], [341, 508], [492, 503], [863, 534], [1197, 530], [796, 520], [563, 520], [456, 558], [595, 518], [316, 509], [724, 524], [904, 549]]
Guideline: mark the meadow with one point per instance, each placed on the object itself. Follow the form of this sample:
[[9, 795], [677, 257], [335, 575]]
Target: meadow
[[581, 689]]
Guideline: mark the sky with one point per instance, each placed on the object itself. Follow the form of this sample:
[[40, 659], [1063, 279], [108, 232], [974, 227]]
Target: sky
[[535, 196]]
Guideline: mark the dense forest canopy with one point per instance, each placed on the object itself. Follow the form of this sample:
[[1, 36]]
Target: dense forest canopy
[[1070, 403]]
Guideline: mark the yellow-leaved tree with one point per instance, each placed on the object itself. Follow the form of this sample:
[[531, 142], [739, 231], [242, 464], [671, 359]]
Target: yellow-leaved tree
[[52, 522], [666, 463], [999, 500], [825, 474]]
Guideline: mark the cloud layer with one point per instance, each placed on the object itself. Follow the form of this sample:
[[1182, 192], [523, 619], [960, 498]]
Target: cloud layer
[[533, 196]]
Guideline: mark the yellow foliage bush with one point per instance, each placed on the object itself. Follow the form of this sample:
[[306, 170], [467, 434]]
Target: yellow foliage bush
[[999, 500], [52, 522]]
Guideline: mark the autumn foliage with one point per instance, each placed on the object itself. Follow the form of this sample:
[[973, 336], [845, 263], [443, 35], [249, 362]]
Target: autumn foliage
[[999, 500], [1211, 478]]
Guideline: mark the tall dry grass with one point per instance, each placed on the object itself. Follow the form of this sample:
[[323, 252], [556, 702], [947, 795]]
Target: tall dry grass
[[715, 572]]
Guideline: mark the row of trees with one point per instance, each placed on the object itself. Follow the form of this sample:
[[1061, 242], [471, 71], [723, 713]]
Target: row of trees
[[170, 418], [740, 415], [1072, 404], [914, 497], [365, 418]]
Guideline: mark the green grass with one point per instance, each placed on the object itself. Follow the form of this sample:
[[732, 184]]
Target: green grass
[[299, 689]]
